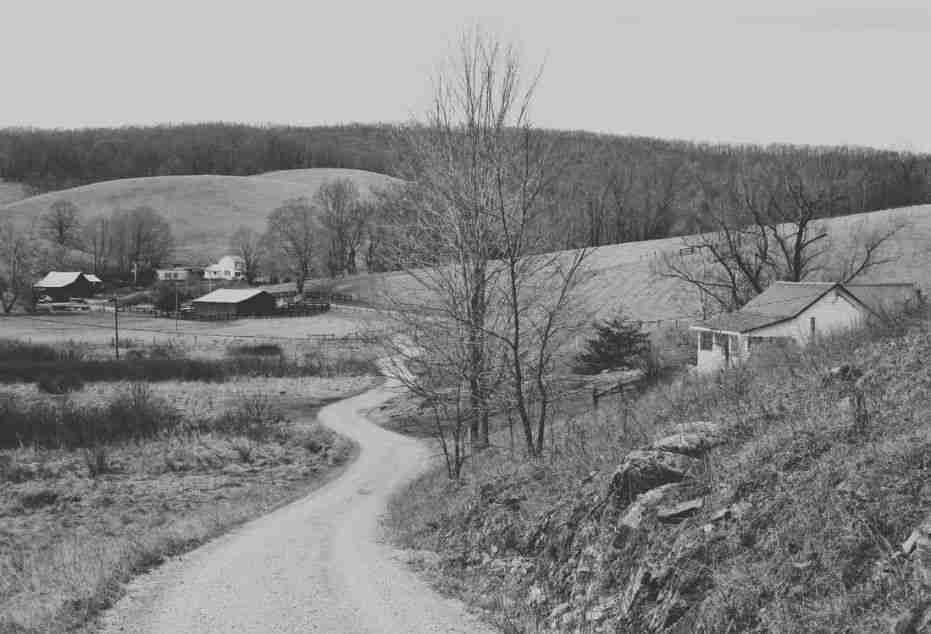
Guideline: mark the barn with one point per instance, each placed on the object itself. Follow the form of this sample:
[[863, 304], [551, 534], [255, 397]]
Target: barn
[[797, 313], [229, 303], [61, 286]]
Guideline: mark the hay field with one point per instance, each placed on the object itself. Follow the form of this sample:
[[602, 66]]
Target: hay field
[[203, 210]]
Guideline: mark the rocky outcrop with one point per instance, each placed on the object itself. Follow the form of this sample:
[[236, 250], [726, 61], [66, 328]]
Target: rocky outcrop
[[644, 470]]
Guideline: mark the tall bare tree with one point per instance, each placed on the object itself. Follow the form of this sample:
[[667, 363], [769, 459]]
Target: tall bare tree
[[294, 230], [247, 243], [142, 239], [472, 238], [61, 225], [96, 241], [18, 259], [343, 216]]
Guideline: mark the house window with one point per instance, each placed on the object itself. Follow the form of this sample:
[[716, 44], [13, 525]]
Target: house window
[[705, 340]]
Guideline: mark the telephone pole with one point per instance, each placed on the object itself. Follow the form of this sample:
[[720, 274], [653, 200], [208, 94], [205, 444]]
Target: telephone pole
[[116, 327]]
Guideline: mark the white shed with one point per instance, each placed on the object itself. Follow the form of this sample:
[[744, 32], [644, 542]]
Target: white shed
[[795, 311]]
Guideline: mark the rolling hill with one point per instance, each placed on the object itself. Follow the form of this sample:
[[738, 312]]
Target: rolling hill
[[623, 276], [203, 210]]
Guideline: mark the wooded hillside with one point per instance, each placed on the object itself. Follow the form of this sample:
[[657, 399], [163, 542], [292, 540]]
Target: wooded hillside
[[612, 189]]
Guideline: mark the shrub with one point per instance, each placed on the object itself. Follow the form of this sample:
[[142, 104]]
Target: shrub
[[257, 350], [617, 343], [255, 416], [60, 383]]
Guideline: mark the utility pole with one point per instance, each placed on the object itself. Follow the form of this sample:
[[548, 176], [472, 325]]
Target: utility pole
[[116, 327]]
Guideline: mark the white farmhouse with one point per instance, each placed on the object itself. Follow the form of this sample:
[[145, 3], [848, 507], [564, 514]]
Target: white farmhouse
[[230, 267], [797, 312]]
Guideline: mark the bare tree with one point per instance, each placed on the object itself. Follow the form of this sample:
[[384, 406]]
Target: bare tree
[[342, 215], [96, 241], [141, 239], [247, 243], [61, 224], [765, 227], [294, 230], [18, 255], [472, 239]]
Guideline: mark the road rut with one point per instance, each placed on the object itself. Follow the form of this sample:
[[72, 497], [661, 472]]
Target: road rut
[[316, 565]]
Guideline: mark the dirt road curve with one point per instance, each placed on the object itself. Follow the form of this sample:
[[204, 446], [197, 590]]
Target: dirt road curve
[[313, 566]]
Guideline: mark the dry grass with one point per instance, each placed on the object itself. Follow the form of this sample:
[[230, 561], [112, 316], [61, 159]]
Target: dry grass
[[76, 525], [622, 276], [827, 504], [203, 210]]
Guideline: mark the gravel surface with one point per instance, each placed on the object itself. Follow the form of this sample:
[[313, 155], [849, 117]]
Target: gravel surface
[[317, 565]]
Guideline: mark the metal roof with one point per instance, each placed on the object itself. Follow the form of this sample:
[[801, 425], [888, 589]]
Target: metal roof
[[93, 278], [229, 295], [58, 279]]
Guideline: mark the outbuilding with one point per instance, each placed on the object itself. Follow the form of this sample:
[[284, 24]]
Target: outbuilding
[[796, 312], [229, 303], [60, 286]]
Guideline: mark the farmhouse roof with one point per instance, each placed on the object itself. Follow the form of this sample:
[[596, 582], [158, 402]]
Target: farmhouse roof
[[883, 298], [58, 279], [229, 295], [93, 279], [785, 300]]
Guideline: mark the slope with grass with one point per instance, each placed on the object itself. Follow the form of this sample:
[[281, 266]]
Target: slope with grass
[[795, 515], [625, 276], [203, 210]]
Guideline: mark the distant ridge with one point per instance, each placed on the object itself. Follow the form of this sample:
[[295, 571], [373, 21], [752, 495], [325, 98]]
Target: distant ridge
[[203, 210]]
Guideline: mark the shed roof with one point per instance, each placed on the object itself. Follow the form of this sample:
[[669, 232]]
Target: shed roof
[[58, 279], [229, 295], [93, 279]]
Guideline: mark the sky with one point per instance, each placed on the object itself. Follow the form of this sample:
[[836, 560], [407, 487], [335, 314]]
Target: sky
[[764, 71]]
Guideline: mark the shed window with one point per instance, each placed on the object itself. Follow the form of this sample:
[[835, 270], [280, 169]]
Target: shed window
[[705, 340]]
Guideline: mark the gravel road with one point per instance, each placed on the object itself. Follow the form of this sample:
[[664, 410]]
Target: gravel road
[[316, 565]]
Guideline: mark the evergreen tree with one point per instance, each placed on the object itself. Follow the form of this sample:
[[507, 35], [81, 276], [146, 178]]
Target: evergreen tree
[[617, 343]]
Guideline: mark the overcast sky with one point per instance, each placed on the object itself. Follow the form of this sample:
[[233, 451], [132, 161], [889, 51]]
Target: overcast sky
[[766, 71]]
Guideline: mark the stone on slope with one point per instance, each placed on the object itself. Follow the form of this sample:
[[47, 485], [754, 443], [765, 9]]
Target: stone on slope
[[678, 512], [643, 470]]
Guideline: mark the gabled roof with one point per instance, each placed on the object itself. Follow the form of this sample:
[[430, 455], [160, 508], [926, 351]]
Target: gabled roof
[[785, 300], [230, 295], [883, 298], [58, 279]]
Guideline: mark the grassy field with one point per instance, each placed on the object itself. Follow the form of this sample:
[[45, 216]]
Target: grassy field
[[623, 276], [11, 192], [76, 524], [200, 339], [203, 210]]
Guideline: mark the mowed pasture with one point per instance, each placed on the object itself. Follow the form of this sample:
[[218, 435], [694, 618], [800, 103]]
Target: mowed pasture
[[626, 276], [204, 210]]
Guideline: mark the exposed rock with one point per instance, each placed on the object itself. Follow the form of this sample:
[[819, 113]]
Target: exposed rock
[[679, 512], [845, 372], [633, 516], [643, 470], [920, 538], [690, 443], [632, 590], [704, 427]]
